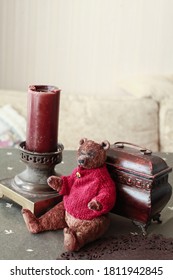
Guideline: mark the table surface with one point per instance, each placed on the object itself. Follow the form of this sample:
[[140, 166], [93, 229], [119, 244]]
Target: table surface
[[17, 243]]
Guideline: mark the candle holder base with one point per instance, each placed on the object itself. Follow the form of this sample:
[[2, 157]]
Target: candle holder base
[[37, 205], [29, 188]]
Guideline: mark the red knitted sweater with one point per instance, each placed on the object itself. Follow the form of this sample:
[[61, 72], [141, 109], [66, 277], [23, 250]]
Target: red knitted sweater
[[84, 185]]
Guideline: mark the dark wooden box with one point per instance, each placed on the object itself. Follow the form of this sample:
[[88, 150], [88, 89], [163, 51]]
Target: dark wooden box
[[142, 183]]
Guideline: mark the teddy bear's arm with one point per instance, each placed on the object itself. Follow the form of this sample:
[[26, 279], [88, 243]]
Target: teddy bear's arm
[[104, 200], [67, 183]]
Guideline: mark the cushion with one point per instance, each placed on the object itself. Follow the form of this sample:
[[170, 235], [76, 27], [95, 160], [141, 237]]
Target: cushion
[[12, 127], [166, 125], [17, 99], [156, 87], [131, 120]]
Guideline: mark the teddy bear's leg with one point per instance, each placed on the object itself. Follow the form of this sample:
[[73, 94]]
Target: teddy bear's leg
[[81, 232], [52, 220], [70, 240]]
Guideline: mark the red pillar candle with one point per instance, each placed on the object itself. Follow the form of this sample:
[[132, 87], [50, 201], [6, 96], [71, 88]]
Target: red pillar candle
[[42, 118]]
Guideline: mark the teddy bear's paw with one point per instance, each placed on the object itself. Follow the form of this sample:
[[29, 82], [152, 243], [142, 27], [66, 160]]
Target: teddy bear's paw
[[95, 205], [54, 182], [30, 220], [70, 240]]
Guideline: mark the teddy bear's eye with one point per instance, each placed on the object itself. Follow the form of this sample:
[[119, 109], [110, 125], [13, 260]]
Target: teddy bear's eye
[[90, 154]]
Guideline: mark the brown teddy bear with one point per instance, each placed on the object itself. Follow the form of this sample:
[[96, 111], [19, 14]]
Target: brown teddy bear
[[89, 194]]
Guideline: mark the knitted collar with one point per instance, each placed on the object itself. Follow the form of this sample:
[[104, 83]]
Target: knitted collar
[[83, 171]]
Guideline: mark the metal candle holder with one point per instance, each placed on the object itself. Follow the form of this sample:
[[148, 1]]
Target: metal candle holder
[[39, 166], [29, 188]]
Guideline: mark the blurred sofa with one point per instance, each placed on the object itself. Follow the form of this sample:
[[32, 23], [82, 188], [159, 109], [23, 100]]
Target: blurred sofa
[[140, 112]]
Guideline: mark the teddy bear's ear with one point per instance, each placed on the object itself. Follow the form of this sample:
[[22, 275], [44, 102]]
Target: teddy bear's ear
[[105, 145], [83, 140]]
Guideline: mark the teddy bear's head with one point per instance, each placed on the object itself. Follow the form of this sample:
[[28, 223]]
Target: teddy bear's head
[[91, 154]]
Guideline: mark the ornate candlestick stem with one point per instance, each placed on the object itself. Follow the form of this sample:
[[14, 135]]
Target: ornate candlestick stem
[[29, 188]]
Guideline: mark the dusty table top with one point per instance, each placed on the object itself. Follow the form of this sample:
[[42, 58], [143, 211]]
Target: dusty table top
[[18, 244]]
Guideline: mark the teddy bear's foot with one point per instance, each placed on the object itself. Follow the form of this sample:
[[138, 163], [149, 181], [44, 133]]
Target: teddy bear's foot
[[31, 221], [70, 240]]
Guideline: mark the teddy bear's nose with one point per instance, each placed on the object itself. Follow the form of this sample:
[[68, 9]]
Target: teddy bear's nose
[[81, 161]]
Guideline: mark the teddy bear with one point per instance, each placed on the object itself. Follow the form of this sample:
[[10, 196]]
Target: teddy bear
[[89, 193]]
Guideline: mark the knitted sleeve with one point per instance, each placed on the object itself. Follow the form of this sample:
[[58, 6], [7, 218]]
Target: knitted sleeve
[[67, 182], [107, 193]]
